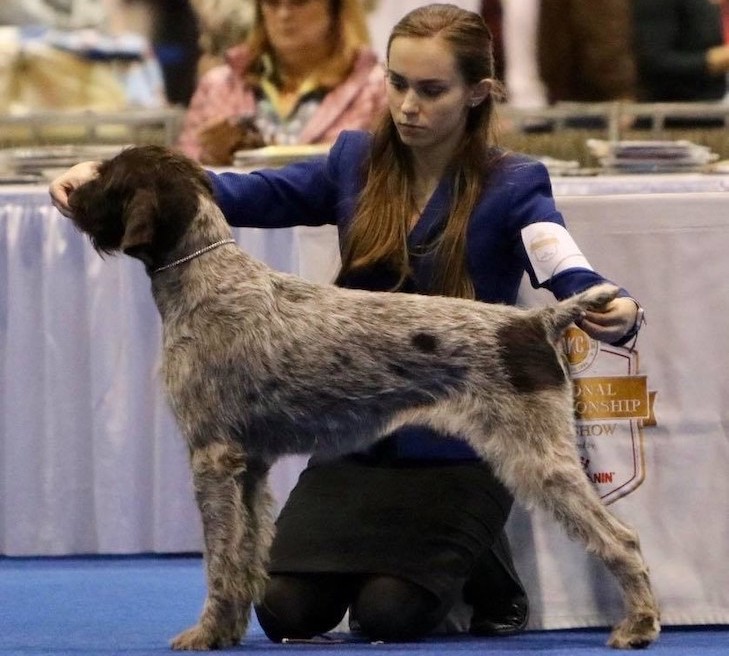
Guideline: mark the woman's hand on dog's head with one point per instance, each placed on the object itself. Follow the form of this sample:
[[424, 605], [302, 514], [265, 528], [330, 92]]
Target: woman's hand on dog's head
[[64, 185]]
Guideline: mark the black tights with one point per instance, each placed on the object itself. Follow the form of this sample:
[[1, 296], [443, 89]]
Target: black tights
[[386, 607]]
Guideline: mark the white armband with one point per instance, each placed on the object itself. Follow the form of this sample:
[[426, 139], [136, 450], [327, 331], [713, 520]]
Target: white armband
[[551, 249]]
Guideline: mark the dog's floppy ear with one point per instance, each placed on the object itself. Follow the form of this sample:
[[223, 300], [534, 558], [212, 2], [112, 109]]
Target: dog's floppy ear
[[139, 219]]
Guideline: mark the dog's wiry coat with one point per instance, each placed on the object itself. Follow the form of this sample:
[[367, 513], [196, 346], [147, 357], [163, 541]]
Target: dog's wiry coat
[[258, 364]]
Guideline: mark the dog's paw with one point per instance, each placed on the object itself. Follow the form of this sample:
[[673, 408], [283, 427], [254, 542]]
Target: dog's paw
[[635, 633], [200, 638]]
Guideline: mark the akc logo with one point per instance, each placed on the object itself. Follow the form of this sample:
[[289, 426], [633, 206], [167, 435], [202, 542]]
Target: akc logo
[[581, 350]]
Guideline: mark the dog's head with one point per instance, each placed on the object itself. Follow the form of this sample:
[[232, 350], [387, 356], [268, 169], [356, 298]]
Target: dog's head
[[141, 202]]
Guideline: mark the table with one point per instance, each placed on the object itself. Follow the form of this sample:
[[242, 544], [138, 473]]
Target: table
[[91, 462], [667, 183]]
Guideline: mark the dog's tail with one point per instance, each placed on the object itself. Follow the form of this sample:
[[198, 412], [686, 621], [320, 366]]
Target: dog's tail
[[559, 316]]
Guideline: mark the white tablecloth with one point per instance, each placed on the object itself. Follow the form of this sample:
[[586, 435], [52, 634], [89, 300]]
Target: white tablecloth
[[668, 183], [91, 462]]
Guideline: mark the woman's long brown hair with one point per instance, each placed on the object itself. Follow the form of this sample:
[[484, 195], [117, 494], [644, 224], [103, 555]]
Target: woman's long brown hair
[[379, 229]]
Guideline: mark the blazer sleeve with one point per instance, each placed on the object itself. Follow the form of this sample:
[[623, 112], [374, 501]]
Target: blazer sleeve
[[305, 193], [549, 254], [545, 243]]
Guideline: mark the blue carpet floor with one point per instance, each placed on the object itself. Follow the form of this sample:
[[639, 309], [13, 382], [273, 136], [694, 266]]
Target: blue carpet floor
[[133, 605]]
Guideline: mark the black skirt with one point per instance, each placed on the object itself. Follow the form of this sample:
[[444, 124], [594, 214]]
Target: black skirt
[[425, 522]]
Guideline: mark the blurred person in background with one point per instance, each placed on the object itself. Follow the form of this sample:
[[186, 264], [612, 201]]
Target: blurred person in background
[[226, 23], [77, 54], [519, 24], [585, 50], [62, 14], [174, 33], [222, 24], [563, 51], [682, 50], [304, 73]]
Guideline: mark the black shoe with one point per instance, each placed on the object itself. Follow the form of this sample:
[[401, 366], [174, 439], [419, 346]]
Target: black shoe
[[508, 621]]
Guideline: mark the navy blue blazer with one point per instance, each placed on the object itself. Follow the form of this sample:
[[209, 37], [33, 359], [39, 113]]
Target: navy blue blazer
[[515, 228]]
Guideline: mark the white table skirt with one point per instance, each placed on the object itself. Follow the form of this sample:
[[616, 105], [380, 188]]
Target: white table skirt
[[90, 458], [91, 462]]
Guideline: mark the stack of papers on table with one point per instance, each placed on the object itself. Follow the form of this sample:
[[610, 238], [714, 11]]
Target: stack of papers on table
[[651, 156]]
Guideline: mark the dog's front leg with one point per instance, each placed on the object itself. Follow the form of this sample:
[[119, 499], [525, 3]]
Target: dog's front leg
[[218, 471]]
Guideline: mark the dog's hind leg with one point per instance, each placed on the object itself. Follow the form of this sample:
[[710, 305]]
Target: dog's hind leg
[[575, 504], [549, 475], [221, 479]]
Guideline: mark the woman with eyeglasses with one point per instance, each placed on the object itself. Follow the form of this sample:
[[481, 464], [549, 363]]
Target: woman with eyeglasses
[[305, 73]]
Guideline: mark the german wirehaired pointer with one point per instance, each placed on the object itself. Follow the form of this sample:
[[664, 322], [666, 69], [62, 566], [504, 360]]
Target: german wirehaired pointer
[[258, 364]]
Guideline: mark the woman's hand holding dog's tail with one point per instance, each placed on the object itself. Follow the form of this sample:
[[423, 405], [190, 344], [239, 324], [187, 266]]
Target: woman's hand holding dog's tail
[[614, 321]]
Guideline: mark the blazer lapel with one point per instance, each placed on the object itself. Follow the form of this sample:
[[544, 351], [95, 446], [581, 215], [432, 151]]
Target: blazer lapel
[[433, 218], [428, 227]]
